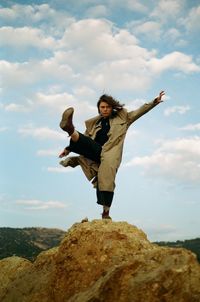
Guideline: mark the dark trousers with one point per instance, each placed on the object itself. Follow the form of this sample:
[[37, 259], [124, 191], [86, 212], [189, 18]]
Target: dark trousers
[[92, 150], [87, 147], [104, 197]]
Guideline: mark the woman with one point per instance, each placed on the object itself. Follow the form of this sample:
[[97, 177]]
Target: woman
[[100, 148]]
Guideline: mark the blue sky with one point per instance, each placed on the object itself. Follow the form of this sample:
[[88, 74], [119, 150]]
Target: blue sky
[[56, 54]]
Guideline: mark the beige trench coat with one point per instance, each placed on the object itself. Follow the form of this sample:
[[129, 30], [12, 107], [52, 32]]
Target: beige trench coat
[[111, 154]]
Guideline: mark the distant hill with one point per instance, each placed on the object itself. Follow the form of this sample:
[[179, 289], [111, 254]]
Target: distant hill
[[28, 242], [191, 244]]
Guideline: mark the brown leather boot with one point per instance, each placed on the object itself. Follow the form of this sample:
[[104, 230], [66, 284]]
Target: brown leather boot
[[66, 123], [105, 215]]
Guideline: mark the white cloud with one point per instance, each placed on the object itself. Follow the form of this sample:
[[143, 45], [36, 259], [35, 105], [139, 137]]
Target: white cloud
[[93, 40], [168, 9], [7, 13], [93, 53], [42, 133], [121, 75], [191, 127], [17, 107], [35, 14], [191, 22], [106, 58], [26, 106], [16, 11], [25, 37], [84, 92], [133, 5], [147, 28], [172, 34], [179, 109], [132, 134], [14, 73], [136, 5], [174, 61], [135, 104], [40, 205], [17, 75], [97, 11], [56, 103], [176, 159], [99, 45], [175, 36], [60, 101], [3, 129], [189, 146]]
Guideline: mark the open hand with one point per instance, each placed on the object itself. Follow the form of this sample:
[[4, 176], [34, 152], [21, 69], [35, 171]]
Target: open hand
[[159, 98], [64, 153]]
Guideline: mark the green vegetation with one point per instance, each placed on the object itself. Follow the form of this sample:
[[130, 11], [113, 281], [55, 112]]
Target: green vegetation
[[28, 242], [191, 244]]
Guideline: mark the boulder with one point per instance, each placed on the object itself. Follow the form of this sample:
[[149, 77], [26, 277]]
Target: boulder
[[103, 261]]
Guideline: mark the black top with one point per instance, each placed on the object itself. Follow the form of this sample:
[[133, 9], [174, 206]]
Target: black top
[[101, 136]]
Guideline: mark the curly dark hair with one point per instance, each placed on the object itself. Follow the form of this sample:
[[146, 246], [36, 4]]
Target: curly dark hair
[[116, 105]]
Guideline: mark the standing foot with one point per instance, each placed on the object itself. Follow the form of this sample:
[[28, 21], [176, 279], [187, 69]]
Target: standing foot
[[105, 215]]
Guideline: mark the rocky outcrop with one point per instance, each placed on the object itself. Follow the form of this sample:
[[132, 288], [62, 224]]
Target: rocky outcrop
[[103, 261]]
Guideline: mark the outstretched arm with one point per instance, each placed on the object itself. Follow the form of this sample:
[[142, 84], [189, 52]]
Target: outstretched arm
[[135, 114]]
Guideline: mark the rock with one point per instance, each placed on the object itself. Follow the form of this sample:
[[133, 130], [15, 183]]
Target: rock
[[10, 269], [103, 261]]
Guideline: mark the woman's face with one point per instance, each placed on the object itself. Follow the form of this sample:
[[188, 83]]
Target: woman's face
[[105, 109]]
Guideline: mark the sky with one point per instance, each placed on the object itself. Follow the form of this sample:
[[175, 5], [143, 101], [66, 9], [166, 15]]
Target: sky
[[58, 54]]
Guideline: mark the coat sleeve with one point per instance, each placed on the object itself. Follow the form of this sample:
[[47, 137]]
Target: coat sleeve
[[135, 114]]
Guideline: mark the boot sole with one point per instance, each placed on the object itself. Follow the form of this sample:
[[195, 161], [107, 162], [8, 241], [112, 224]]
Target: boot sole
[[65, 117]]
